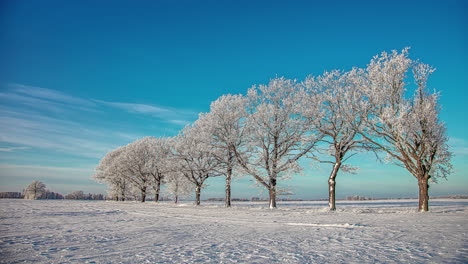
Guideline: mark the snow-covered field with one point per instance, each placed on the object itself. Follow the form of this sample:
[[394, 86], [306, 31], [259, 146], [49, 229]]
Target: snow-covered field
[[296, 232]]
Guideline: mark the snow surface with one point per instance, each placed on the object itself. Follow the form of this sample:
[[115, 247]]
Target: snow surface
[[54, 231]]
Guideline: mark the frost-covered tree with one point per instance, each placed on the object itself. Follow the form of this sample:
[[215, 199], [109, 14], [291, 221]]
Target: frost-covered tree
[[141, 164], [342, 110], [119, 188], [408, 130], [111, 172], [178, 186], [194, 158], [135, 168], [34, 190], [141, 161], [157, 166], [225, 134], [277, 135], [76, 195]]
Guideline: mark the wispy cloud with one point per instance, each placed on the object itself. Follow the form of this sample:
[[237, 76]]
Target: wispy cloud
[[50, 95], [5, 166], [179, 122], [12, 149], [35, 130], [45, 99], [57, 102], [459, 146], [138, 108], [167, 114], [40, 118], [463, 151]]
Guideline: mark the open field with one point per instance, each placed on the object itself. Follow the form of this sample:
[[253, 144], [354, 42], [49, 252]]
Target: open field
[[51, 231]]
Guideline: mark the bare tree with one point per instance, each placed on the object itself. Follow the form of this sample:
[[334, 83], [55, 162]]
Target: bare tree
[[277, 134], [34, 190], [408, 130]]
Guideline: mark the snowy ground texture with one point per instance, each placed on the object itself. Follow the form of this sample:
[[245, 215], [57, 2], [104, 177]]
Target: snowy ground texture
[[301, 232]]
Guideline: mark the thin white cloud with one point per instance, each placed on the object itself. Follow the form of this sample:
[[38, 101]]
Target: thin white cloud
[[40, 118], [59, 135], [138, 108], [459, 146], [168, 114], [130, 137], [12, 149], [454, 141], [5, 166], [50, 95], [460, 151], [42, 99], [179, 122], [31, 102]]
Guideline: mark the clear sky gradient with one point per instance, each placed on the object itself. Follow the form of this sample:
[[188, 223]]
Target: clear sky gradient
[[80, 78]]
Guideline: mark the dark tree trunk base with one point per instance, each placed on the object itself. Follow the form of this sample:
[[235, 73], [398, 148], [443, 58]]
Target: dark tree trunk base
[[158, 188], [423, 195], [197, 195], [272, 193], [331, 194], [228, 191]]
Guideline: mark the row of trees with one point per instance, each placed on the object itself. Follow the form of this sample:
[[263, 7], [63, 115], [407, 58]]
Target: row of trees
[[37, 190], [266, 132], [11, 195], [80, 195]]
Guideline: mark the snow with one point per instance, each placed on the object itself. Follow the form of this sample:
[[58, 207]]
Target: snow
[[51, 231]]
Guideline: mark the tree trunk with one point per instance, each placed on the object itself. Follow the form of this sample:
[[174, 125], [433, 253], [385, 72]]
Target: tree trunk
[[423, 183], [229, 175], [157, 189], [272, 193], [143, 195], [176, 200], [197, 195], [228, 188], [332, 185], [331, 194], [122, 194]]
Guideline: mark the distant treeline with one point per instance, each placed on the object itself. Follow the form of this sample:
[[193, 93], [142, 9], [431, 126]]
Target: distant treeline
[[11, 195], [451, 197], [48, 195], [20, 195], [358, 198], [252, 199], [80, 195]]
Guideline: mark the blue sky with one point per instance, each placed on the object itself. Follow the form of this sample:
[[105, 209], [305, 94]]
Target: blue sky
[[79, 78]]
